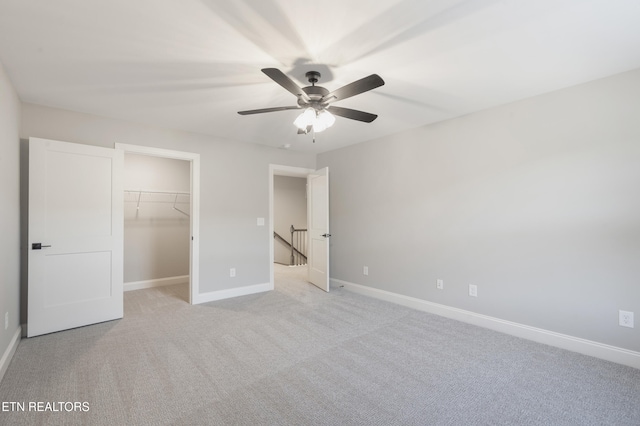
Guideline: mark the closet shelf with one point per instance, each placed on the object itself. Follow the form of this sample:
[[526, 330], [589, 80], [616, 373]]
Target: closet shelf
[[174, 194], [136, 191]]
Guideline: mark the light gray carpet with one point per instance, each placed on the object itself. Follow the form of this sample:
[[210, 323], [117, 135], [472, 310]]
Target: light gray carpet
[[298, 356]]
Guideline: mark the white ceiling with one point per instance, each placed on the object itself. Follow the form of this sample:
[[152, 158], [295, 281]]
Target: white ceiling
[[192, 64]]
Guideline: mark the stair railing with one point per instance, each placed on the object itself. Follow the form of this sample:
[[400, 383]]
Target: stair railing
[[298, 246], [298, 257]]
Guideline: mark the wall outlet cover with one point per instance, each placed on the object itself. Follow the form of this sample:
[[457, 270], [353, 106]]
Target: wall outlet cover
[[473, 290], [439, 284], [625, 319]]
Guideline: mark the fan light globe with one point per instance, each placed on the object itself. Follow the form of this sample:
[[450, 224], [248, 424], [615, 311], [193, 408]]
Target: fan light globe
[[319, 126], [327, 118], [305, 119], [324, 120]]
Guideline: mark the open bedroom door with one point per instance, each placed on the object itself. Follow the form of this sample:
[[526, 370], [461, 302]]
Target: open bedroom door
[[75, 236], [318, 225]]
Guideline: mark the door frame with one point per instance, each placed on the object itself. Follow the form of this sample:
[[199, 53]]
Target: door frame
[[279, 170], [194, 159]]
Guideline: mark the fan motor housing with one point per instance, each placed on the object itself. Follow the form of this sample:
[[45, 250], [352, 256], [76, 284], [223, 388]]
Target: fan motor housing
[[315, 93]]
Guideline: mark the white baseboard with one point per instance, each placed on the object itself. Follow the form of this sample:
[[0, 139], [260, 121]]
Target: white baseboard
[[231, 292], [563, 341], [159, 282], [8, 354]]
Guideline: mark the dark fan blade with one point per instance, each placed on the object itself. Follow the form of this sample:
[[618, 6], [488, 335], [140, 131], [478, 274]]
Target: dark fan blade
[[353, 114], [355, 88], [260, 111], [284, 81]]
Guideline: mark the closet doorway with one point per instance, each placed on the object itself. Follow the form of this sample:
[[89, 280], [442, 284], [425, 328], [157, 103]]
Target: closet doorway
[[161, 191]]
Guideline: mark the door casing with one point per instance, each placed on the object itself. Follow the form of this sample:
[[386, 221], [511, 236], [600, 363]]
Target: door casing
[[194, 159]]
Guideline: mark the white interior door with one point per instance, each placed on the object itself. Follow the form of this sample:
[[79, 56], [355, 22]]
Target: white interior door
[[76, 216], [318, 225]]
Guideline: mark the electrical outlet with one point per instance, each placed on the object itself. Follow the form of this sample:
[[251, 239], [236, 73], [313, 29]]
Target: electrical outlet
[[439, 284], [473, 290], [6, 320], [625, 319], [232, 272], [365, 270]]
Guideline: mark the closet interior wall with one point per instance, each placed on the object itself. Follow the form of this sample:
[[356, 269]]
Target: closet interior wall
[[156, 220]]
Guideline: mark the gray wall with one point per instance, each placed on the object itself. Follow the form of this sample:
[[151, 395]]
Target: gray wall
[[536, 202], [289, 208], [9, 210], [234, 186], [156, 236]]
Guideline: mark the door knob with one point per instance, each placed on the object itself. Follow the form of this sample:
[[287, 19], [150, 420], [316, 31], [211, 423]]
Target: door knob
[[37, 246], [325, 235]]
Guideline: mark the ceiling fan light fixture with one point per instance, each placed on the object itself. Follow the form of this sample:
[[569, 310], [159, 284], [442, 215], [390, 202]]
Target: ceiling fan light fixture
[[319, 120], [316, 99]]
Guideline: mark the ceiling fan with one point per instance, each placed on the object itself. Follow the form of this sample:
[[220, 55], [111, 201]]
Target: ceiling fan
[[316, 100]]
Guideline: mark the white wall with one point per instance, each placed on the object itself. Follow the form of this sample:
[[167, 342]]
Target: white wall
[[9, 217], [156, 236], [289, 208], [234, 187], [537, 203]]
